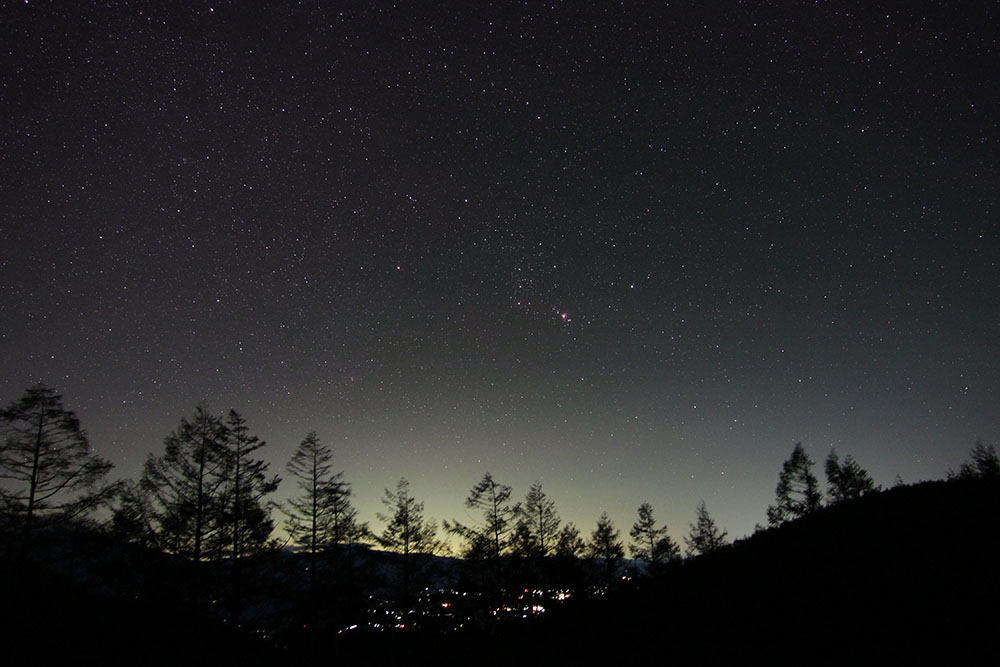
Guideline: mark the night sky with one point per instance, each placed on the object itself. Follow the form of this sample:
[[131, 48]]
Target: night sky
[[633, 250]]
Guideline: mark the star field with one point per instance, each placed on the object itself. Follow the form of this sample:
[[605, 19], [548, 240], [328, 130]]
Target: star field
[[635, 251]]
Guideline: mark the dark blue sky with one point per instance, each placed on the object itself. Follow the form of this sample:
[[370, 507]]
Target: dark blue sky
[[635, 251]]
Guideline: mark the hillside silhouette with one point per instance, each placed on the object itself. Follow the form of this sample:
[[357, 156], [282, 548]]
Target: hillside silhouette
[[906, 574]]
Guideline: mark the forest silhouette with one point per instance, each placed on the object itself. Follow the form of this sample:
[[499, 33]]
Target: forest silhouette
[[183, 564]]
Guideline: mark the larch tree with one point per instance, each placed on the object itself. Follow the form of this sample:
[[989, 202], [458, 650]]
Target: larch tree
[[134, 516], [846, 480], [705, 536], [246, 514], [565, 568], [408, 534], [983, 462], [650, 542], [50, 472], [537, 528], [606, 546], [797, 493], [185, 486], [322, 515], [320, 518], [569, 543], [244, 517], [342, 523], [490, 537]]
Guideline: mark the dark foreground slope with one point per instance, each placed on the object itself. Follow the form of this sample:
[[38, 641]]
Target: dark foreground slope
[[908, 574], [54, 616]]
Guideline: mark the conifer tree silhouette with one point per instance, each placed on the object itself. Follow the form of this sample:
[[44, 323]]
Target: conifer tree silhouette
[[705, 536], [50, 473], [983, 462], [797, 493], [409, 534], [650, 542], [606, 546], [846, 479]]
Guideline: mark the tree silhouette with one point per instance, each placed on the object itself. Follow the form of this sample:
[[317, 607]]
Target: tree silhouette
[[406, 531], [797, 493], [983, 462], [51, 473], [605, 545], [185, 485], [846, 480], [487, 540], [134, 518], [569, 543], [537, 529], [246, 517], [649, 542], [320, 518], [408, 534], [311, 468], [705, 536], [491, 537], [245, 524], [342, 525]]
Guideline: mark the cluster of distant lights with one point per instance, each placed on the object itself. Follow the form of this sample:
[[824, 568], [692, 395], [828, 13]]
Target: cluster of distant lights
[[396, 620]]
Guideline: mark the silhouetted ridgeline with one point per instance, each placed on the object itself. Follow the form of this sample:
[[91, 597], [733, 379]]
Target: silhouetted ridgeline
[[909, 574]]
